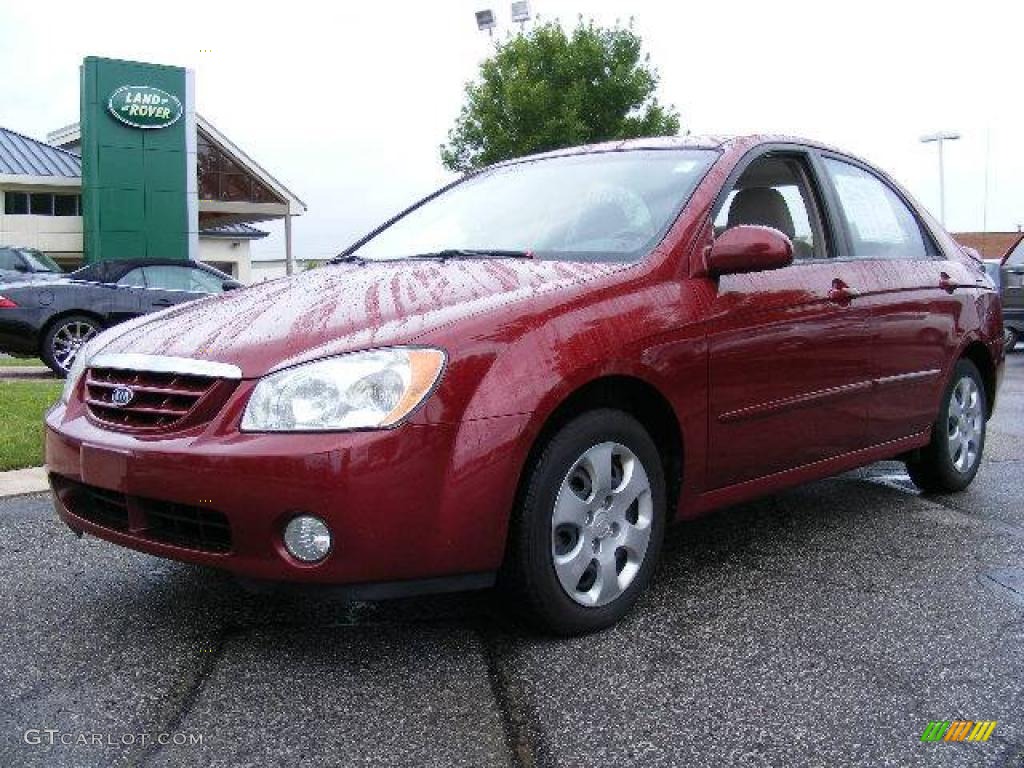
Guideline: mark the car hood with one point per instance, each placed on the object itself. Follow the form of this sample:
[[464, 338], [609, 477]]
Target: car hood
[[341, 308]]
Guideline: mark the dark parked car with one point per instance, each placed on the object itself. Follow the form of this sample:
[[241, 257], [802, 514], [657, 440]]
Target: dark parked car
[[1008, 273], [54, 318], [527, 376], [19, 264]]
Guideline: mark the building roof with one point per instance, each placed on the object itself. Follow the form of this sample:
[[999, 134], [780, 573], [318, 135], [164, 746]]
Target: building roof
[[991, 245], [233, 232], [22, 156]]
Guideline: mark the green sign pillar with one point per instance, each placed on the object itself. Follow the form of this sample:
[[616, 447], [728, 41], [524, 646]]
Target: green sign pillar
[[139, 191]]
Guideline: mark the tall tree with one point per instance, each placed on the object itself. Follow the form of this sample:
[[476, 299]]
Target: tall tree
[[543, 90]]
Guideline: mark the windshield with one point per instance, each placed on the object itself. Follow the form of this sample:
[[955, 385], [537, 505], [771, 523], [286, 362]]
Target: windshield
[[607, 206], [40, 262]]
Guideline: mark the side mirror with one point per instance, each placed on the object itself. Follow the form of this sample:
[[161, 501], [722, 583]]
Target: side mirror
[[231, 285], [749, 248]]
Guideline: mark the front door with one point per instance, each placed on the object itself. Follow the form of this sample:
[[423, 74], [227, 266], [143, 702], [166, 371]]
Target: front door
[[788, 348], [169, 284]]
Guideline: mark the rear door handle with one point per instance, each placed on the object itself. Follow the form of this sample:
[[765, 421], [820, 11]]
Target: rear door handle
[[947, 283], [841, 293]]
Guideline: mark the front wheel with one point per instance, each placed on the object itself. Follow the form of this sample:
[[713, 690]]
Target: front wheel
[[587, 535], [64, 338], [951, 460]]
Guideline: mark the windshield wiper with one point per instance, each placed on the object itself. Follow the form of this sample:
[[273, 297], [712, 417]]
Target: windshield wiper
[[474, 253], [348, 258], [446, 253]]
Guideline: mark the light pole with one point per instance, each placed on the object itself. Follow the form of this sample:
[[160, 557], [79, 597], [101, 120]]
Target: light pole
[[938, 138]]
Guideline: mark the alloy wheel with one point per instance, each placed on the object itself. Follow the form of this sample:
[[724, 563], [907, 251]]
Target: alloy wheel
[[965, 424], [69, 338]]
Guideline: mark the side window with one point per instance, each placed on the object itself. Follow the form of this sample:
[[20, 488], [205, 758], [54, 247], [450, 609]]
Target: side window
[[133, 278], [203, 282], [1016, 257], [775, 191], [167, 278], [9, 259], [880, 224]]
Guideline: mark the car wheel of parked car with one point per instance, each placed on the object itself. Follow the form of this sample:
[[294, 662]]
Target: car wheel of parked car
[[1010, 339], [587, 535], [64, 338], [951, 460]]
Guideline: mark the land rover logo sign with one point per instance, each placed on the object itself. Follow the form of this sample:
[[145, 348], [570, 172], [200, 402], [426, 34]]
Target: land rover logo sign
[[142, 106]]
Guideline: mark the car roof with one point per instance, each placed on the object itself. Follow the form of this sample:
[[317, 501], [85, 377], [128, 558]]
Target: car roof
[[112, 270], [712, 141]]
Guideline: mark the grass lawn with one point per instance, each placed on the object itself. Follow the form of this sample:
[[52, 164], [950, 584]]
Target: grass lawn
[[22, 405], [17, 361]]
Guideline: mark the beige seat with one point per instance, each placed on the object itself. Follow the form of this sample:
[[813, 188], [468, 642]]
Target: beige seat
[[766, 207]]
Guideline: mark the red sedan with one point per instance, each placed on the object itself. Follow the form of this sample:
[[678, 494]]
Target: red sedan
[[524, 377]]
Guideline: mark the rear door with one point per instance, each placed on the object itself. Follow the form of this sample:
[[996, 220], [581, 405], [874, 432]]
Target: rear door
[[915, 294], [789, 359]]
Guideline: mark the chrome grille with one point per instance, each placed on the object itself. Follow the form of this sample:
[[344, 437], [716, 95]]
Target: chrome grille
[[157, 400]]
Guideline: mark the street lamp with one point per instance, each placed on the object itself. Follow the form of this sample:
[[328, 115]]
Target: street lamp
[[521, 13], [939, 138], [485, 20]]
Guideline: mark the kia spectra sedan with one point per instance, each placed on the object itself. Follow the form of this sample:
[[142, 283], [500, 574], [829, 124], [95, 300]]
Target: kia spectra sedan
[[523, 378]]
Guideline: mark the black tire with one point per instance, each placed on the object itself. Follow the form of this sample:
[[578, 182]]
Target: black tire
[[1011, 339], [932, 468], [53, 352], [529, 574]]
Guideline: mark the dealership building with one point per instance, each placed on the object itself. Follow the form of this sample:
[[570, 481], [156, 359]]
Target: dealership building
[[141, 175]]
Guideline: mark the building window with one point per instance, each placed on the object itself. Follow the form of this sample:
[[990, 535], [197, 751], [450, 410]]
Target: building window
[[221, 178], [42, 204], [15, 202], [66, 205]]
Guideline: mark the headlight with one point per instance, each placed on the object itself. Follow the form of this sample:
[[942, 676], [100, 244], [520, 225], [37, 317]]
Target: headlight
[[362, 390], [79, 365]]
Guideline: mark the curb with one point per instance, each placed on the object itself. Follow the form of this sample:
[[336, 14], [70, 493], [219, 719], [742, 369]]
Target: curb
[[16, 372], [20, 482]]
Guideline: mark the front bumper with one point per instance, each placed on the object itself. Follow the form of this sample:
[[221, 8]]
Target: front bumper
[[400, 503]]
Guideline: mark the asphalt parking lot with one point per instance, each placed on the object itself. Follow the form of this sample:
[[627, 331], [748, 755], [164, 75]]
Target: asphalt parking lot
[[824, 626]]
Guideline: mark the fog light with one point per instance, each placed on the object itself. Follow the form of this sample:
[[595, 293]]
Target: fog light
[[307, 538]]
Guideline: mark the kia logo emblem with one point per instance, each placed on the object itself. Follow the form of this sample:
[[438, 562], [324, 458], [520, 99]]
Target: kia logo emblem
[[122, 396]]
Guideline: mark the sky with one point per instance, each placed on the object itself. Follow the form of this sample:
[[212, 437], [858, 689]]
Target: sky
[[347, 104]]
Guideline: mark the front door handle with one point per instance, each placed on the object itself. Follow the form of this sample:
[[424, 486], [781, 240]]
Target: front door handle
[[841, 293], [947, 283], [162, 303]]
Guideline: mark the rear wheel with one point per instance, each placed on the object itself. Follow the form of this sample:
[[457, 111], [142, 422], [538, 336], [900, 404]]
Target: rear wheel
[[64, 338], [587, 536], [951, 460], [1010, 339]]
